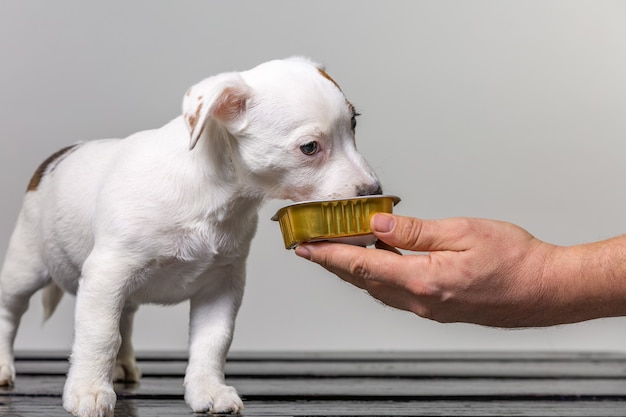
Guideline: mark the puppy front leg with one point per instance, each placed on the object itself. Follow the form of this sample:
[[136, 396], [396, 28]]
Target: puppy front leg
[[211, 330], [89, 389]]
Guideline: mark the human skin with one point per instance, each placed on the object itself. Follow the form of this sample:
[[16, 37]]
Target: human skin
[[481, 271]]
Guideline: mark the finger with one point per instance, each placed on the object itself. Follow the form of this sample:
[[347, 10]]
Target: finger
[[304, 251], [387, 288], [335, 257], [358, 265], [421, 235]]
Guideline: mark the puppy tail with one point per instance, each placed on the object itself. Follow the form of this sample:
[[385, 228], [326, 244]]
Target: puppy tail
[[50, 297]]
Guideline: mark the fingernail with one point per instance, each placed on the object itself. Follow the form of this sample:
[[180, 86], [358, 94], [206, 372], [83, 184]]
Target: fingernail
[[303, 252], [382, 223]]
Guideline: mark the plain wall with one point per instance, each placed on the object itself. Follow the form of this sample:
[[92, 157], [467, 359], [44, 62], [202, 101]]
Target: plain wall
[[507, 110]]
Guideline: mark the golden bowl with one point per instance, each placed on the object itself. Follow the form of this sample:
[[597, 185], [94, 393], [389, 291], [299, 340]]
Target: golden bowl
[[345, 220]]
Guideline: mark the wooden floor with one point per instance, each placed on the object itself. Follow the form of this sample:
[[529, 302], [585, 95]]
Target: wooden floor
[[363, 384]]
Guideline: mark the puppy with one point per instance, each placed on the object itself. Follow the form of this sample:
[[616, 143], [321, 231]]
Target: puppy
[[167, 215]]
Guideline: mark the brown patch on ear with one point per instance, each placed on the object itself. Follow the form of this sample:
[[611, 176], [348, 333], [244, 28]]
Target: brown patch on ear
[[43, 168], [329, 78], [192, 119]]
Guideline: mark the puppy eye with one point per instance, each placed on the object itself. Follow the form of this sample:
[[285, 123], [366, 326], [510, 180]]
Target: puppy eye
[[353, 121], [310, 148]]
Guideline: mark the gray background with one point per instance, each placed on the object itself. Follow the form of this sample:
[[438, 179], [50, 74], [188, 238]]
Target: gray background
[[497, 109]]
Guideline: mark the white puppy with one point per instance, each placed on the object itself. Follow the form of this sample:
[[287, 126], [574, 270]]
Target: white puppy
[[167, 215]]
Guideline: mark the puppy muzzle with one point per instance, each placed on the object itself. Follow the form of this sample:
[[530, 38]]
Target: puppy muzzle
[[369, 189]]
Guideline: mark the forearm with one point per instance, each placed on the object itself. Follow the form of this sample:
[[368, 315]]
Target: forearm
[[590, 280]]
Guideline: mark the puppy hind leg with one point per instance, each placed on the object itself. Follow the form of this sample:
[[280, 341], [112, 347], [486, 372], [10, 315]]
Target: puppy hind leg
[[23, 274], [126, 368]]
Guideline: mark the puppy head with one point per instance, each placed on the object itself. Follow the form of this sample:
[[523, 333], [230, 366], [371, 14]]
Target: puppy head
[[291, 130]]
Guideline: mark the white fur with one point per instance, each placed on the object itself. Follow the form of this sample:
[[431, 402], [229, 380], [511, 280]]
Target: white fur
[[167, 215]]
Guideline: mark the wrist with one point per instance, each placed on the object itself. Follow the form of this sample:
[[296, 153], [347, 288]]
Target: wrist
[[589, 280]]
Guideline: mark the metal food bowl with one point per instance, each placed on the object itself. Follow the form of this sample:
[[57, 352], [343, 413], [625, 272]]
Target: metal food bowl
[[345, 220]]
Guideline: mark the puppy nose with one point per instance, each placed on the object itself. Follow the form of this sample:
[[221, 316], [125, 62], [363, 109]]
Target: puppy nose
[[370, 189]]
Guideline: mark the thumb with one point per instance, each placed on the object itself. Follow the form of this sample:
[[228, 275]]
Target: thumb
[[416, 234]]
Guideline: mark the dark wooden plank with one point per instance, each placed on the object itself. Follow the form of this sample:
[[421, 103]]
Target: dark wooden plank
[[475, 365], [390, 356], [52, 407], [435, 408], [338, 388], [458, 369], [398, 388], [359, 356]]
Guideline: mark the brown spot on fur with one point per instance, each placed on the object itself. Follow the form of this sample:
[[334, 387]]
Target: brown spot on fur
[[192, 119], [329, 78], [43, 168]]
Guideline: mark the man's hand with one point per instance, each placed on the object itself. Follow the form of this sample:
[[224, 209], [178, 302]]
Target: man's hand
[[460, 270]]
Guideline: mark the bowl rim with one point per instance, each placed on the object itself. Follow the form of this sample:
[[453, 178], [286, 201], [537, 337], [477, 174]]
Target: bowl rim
[[395, 198]]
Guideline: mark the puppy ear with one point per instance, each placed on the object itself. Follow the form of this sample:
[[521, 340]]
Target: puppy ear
[[222, 98]]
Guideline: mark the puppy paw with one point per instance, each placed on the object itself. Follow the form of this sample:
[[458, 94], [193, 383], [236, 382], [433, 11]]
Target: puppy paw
[[7, 375], [85, 400], [126, 371], [214, 398]]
